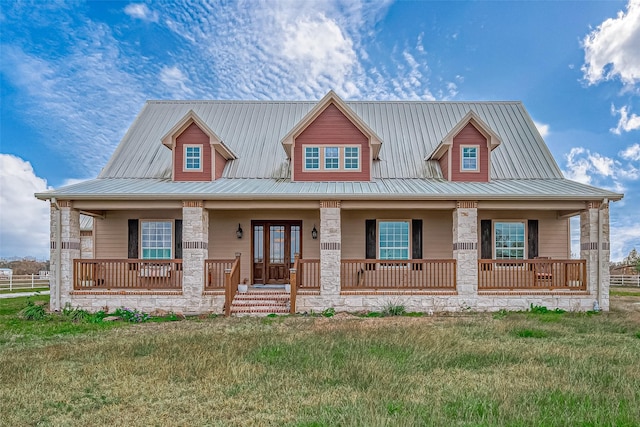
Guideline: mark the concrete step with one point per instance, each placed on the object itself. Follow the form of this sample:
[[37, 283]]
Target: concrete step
[[260, 303]]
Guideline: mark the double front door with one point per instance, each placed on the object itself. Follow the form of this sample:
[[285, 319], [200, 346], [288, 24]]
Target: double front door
[[275, 244]]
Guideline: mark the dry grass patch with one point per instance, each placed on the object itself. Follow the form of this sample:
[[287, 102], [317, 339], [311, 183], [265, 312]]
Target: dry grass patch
[[471, 370]]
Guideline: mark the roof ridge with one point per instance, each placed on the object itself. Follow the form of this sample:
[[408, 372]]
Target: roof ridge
[[284, 101]]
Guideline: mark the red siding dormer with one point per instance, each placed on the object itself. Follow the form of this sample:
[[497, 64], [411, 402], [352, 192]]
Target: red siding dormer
[[198, 154], [470, 137]]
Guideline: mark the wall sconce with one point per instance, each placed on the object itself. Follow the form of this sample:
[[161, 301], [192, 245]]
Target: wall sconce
[[239, 232], [314, 233]]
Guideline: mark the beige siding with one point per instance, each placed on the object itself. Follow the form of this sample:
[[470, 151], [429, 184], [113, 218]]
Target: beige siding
[[111, 233], [223, 243], [553, 233], [436, 231]]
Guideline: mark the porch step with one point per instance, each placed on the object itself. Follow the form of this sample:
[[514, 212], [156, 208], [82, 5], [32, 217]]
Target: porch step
[[260, 303]]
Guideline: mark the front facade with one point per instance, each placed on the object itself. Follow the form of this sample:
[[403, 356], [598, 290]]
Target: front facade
[[438, 206]]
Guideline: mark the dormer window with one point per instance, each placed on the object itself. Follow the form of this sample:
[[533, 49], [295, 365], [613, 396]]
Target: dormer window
[[312, 158], [351, 158], [192, 158], [331, 158], [469, 158]]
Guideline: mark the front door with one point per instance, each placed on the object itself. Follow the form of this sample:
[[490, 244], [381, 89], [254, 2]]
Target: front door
[[275, 244]]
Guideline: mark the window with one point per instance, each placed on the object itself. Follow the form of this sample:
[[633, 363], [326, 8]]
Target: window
[[192, 157], [469, 158], [156, 239], [351, 158], [312, 158], [394, 240], [332, 158], [509, 240]]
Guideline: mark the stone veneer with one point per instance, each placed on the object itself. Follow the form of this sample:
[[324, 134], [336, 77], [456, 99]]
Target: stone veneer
[[69, 250], [589, 236], [330, 248], [465, 250]]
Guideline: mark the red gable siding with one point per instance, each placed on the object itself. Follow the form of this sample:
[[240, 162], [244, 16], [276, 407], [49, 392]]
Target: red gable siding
[[444, 165], [469, 135], [220, 164], [332, 127], [192, 135]]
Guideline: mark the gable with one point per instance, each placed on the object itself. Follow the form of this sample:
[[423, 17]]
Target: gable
[[192, 136], [470, 137]]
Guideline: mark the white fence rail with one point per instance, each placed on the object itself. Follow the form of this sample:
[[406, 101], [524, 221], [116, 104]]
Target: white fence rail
[[625, 280], [27, 281]]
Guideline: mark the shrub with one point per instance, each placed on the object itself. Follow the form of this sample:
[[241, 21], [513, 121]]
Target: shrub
[[131, 315], [33, 311], [541, 309], [329, 312], [393, 310]]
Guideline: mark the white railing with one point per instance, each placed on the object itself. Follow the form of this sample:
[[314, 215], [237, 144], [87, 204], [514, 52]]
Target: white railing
[[625, 280], [23, 281]]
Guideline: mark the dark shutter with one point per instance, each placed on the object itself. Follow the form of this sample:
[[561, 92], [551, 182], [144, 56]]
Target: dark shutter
[[133, 239], [177, 237], [370, 251], [532, 238], [416, 239], [486, 247]]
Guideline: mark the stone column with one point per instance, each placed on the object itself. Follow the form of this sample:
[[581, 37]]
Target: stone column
[[465, 247], [330, 248], [195, 249], [589, 237], [66, 231]]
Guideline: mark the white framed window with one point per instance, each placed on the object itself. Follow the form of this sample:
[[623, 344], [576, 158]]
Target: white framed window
[[156, 239], [393, 240], [312, 158], [193, 157], [352, 158], [332, 157], [509, 240], [469, 157]]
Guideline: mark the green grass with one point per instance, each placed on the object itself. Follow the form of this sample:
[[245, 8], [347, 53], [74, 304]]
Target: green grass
[[20, 290], [624, 293], [516, 369]]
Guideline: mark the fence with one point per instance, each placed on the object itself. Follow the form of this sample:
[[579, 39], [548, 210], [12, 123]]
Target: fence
[[26, 281], [625, 280]]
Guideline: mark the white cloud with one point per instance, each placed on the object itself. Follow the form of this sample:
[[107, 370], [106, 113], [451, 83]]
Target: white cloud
[[542, 128], [176, 82], [595, 169], [626, 123], [632, 152], [24, 220], [611, 50], [141, 11]]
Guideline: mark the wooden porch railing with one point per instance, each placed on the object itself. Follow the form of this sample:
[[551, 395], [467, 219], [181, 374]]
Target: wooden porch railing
[[414, 274], [214, 269], [127, 274], [231, 281], [569, 274], [309, 274]]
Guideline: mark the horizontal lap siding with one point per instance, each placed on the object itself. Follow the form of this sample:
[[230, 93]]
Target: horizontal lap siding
[[436, 231], [223, 242], [192, 135], [444, 165], [111, 233], [220, 164], [470, 136], [332, 127], [553, 233]]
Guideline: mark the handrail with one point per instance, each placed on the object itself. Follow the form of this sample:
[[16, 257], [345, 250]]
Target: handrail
[[294, 282], [214, 273], [308, 273], [102, 274], [231, 279], [566, 274]]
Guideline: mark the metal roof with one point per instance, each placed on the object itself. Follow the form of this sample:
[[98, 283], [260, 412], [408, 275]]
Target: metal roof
[[284, 189], [410, 131], [86, 223]]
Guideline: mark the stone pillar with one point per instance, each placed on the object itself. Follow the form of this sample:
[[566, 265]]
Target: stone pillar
[[596, 215], [65, 230], [465, 247], [195, 249], [330, 248]]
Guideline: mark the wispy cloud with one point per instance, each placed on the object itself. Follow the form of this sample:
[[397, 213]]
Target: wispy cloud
[[611, 50], [141, 11], [543, 128], [627, 123], [583, 165], [632, 152], [176, 82]]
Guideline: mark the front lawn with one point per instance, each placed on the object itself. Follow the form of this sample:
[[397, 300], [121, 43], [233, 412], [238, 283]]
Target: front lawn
[[480, 369]]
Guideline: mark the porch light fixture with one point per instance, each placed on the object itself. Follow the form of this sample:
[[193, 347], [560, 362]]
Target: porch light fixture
[[239, 232], [314, 233]]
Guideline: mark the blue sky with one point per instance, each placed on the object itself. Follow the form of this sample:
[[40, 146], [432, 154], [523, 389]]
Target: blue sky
[[75, 74]]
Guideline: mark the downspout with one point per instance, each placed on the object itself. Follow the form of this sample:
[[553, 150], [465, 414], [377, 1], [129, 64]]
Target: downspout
[[605, 201], [58, 252]]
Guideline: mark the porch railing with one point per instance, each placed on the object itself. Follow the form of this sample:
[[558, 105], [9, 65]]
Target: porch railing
[[414, 274], [308, 273], [532, 274], [214, 278], [231, 281], [127, 274]]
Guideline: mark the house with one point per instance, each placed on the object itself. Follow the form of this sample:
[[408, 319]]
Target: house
[[355, 205]]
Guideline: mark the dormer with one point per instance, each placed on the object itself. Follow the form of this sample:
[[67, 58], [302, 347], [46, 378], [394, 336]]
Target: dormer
[[464, 153], [331, 143], [198, 153]]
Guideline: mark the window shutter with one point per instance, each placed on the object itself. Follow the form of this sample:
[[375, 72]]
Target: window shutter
[[532, 240], [416, 239], [177, 239], [133, 239], [370, 250], [486, 245]]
